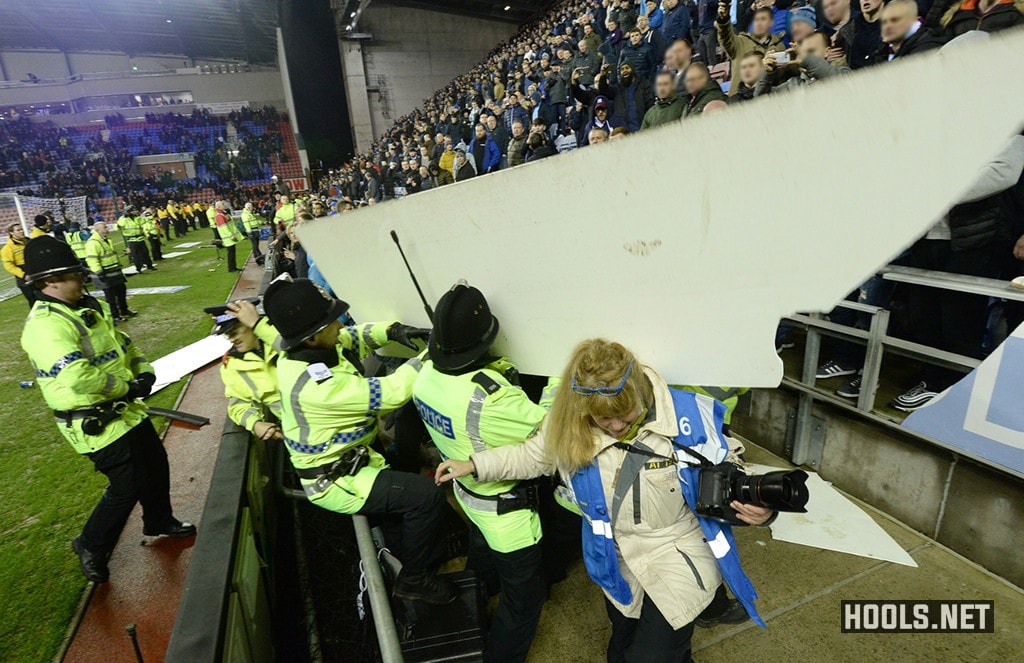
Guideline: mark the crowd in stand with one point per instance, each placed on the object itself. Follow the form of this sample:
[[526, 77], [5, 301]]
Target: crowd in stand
[[590, 71], [42, 159]]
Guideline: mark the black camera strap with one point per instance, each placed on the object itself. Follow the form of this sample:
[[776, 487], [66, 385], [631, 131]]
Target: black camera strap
[[629, 448]]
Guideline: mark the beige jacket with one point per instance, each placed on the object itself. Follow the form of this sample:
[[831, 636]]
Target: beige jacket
[[660, 544]]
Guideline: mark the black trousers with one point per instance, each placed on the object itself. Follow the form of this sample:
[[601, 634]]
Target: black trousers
[[649, 639], [232, 265], [418, 502], [952, 321], [523, 592], [117, 298], [254, 237], [180, 227], [136, 466], [28, 290], [140, 255], [154, 248]]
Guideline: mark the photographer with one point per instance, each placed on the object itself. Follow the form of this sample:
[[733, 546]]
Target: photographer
[[613, 434]]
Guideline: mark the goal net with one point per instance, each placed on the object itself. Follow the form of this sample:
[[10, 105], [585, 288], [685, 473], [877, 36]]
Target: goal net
[[23, 210]]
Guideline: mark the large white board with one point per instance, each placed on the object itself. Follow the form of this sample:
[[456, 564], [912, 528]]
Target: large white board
[[689, 242]]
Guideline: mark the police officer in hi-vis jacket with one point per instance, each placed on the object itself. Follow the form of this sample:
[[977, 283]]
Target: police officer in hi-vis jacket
[[92, 376]]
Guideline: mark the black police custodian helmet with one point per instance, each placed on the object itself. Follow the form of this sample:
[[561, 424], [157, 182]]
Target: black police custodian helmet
[[46, 256], [298, 309], [464, 328]]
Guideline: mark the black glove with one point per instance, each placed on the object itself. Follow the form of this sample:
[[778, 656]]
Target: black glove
[[141, 386], [405, 334]]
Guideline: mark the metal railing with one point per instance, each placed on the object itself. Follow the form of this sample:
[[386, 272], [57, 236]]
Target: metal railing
[[808, 447]]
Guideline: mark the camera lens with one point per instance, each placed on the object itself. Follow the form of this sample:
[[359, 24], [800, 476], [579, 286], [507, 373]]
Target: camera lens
[[779, 491]]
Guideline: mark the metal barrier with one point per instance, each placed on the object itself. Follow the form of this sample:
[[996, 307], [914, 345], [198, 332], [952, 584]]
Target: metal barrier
[[808, 447]]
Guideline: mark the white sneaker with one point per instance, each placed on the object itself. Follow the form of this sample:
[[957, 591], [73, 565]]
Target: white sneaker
[[914, 398]]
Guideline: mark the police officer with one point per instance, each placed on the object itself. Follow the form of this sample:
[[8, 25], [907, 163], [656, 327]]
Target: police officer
[[249, 370], [133, 231], [227, 231], [105, 269], [329, 417], [464, 396], [93, 378], [252, 228]]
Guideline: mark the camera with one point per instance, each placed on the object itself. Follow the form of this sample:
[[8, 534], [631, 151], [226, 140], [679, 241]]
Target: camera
[[782, 57], [720, 484]]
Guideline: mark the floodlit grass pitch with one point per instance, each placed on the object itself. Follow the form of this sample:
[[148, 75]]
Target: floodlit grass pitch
[[46, 490]]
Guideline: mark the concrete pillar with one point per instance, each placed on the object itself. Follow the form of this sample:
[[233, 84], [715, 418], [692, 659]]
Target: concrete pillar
[[354, 71]]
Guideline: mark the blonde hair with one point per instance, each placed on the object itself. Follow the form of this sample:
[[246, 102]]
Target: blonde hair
[[595, 363]]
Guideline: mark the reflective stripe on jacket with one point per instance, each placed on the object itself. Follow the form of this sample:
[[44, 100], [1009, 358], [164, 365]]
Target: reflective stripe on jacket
[[80, 360]]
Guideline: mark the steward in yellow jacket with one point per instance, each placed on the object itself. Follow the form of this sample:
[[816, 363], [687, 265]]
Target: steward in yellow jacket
[[92, 377], [13, 256]]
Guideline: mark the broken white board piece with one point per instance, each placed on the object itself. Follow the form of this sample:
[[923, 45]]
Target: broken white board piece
[[158, 290], [185, 245], [176, 254], [178, 364], [693, 266], [833, 522]]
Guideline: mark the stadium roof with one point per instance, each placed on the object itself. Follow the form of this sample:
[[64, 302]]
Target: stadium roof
[[216, 29], [518, 11]]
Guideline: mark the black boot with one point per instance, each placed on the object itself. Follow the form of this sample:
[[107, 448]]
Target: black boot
[[93, 565], [424, 586], [734, 613]]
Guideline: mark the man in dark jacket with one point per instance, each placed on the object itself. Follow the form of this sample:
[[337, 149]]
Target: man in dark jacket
[[486, 154], [513, 111], [990, 16], [463, 168], [861, 37], [652, 37], [587, 62], [676, 22], [668, 107], [639, 55], [630, 95], [750, 67], [902, 32], [701, 89]]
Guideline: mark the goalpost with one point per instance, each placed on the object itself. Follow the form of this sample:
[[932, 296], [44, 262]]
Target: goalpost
[[23, 210]]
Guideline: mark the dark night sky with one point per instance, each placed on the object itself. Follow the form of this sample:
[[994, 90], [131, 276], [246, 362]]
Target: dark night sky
[[318, 89]]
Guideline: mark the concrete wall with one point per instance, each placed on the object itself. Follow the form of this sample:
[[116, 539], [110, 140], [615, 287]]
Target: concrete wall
[[418, 52], [973, 509]]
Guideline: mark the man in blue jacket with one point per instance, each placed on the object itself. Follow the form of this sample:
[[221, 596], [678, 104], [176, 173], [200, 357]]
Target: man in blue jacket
[[486, 153], [676, 24]]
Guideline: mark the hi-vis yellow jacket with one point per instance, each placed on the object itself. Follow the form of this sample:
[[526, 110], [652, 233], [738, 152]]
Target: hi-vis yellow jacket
[[82, 360], [250, 380], [328, 408]]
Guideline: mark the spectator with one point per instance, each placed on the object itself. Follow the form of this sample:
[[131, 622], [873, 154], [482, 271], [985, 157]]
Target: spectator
[[655, 16], [861, 37], [447, 160], [902, 32], [538, 147], [706, 41], [514, 111], [837, 14], [601, 119], [587, 63], [517, 145], [639, 55], [802, 22], [973, 239], [677, 59], [700, 88], [808, 64], [676, 23], [736, 45], [373, 186], [984, 15], [597, 135], [631, 96], [668, 107], [618, 133], [590, 39], [652, 37], [463, 169], [13, 255], [750, 69], [486, 154]]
